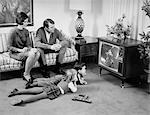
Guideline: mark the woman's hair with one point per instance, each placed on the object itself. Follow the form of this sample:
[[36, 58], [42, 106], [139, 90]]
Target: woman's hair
[[78, 66], [21, 17], [45, 23]]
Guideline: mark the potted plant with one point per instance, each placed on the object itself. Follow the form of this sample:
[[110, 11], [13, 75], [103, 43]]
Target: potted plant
[[119, 30], [144, 48]]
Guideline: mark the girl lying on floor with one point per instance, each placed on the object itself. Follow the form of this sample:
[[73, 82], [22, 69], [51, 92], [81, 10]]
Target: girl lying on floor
[[51, 87], [79, 71]]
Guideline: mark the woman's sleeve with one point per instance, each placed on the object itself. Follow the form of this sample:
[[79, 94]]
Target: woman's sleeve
[[28, 42], [10, 42]]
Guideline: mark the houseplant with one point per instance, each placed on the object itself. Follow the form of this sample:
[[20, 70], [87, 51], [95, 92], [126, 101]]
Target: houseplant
[[144, 48], [119, 30]]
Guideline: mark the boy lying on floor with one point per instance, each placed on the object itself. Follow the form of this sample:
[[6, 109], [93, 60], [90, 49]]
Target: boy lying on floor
[[51, 87], [81, 73]]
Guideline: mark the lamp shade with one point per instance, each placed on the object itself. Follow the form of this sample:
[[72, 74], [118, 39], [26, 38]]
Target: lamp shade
[[80, 4]]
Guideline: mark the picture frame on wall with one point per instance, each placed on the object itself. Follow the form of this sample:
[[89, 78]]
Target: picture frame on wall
[[10, 8]]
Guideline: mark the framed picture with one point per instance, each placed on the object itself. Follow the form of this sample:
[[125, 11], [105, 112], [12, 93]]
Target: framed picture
[[10, 8]]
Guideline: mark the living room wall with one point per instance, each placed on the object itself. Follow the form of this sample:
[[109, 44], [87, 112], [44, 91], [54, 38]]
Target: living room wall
[[58, 10], [64, 18]]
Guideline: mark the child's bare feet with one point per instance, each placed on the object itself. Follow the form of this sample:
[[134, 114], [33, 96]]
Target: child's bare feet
[[16, 102], [13, 92]]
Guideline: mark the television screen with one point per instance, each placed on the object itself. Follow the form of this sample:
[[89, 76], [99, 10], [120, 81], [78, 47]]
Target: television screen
[[110, 56]]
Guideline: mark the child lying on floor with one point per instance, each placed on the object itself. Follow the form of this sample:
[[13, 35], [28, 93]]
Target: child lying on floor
[[51, 87], [79, 71]]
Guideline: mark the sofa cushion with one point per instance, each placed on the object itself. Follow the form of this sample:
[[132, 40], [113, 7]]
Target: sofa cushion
[[70, 56], [8, 64]]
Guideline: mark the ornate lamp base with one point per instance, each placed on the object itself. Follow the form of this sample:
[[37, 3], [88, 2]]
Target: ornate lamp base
[[80, 40], [79, 28]]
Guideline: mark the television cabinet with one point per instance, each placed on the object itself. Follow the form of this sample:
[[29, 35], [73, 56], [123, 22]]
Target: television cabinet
[[120, 57]]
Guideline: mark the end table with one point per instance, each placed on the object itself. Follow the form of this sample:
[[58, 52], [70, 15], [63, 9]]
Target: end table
[[88, 49]]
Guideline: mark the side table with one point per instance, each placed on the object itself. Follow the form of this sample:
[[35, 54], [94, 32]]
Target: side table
[[88, 49]]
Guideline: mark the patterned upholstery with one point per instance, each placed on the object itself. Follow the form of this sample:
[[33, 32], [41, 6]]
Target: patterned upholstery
[[9, 64], [3, 42]]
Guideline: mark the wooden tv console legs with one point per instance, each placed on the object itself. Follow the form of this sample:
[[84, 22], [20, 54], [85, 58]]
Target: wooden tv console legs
[[122, 83], [122, 80]]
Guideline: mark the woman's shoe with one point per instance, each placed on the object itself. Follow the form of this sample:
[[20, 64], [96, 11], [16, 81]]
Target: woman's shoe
[[13, 93], [28, 85], [27, 76], [28, 80], [24, 78]]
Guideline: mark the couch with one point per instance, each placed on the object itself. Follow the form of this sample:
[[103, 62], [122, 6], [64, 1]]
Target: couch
[[10, 64]]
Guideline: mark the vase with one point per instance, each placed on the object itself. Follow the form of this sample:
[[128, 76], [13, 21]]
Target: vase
[[79, 26]]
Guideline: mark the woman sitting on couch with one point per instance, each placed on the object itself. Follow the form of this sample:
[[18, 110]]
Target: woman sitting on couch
[[20, 46]]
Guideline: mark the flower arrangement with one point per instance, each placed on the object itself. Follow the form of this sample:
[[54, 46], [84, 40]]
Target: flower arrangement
[[119, 30], [146, 7]]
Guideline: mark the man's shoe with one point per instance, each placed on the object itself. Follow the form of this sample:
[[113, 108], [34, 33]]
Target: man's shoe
[[44, 71], [60, 71], [45, 74]]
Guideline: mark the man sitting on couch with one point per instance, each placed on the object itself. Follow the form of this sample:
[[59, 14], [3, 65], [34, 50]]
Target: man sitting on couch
[[50, 40]]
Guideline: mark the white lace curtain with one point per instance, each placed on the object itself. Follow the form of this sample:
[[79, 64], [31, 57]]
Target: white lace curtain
[[134, 14]]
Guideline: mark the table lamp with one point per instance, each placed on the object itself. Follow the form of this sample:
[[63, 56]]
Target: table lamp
[[80, 6]]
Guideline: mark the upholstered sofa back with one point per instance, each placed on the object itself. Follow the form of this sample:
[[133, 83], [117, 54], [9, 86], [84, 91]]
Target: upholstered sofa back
[[4, 37], [4, 42], [9, 64]]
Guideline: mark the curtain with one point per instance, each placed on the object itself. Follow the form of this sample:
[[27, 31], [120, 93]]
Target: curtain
[[133, 12]]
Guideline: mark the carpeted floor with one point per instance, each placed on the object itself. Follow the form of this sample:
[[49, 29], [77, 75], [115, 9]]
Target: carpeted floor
[[104, 91]]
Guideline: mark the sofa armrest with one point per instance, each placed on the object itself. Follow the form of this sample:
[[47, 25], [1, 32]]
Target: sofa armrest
[[73, 47], [71, 39]]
